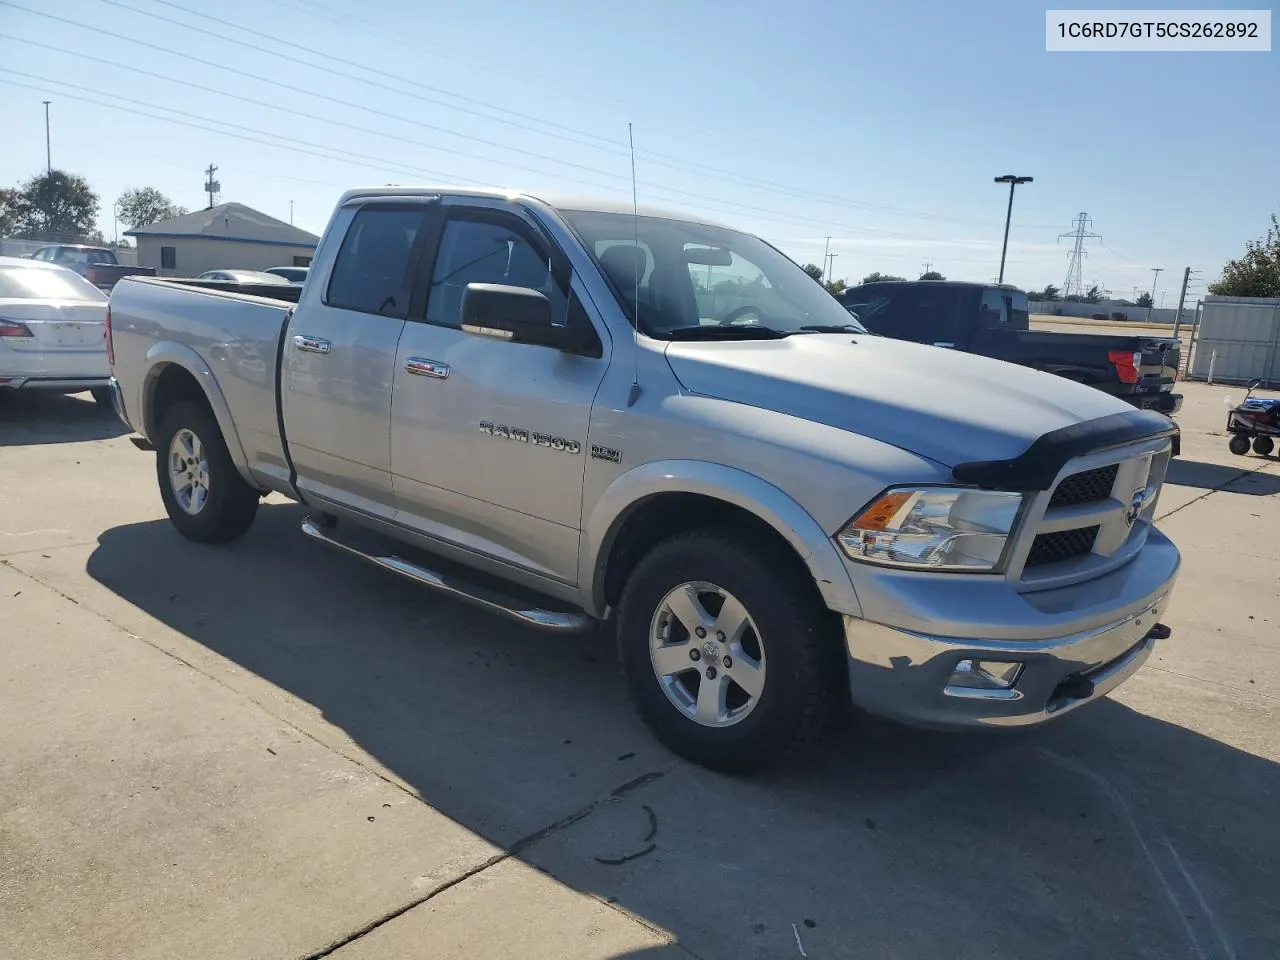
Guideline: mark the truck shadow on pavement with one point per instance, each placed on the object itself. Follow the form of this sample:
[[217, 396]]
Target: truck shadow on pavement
[[31, 418], [1245, 478], [1108, 834]]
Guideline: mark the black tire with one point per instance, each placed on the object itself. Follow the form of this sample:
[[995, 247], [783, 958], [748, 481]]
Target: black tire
[[804, 662], [102, 396], [230, 505], [1263, 446], [1239, 444]]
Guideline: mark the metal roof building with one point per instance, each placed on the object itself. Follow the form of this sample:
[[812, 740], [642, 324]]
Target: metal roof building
[[226, 237]]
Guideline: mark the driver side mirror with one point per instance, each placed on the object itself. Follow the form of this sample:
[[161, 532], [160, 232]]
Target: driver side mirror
[[518, 314]]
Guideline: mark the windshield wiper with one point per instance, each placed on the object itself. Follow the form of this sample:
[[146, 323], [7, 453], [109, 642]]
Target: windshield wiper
[[716, 332], [831, 328]]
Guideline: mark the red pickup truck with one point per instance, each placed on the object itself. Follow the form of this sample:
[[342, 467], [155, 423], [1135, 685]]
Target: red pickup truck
[[98, 265]]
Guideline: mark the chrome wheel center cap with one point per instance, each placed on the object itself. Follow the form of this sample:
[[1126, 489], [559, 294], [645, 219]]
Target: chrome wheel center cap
[[711, 650]]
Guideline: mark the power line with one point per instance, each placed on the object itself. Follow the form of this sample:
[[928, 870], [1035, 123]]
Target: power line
[[716, 173], [775, 215]]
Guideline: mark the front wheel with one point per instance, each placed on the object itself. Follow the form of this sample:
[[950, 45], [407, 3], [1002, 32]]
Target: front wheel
[[1263, 446], [204, 495], [1238, 444], [730, 657]]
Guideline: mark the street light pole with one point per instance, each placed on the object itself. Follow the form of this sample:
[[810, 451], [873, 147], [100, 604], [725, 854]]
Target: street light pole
[[1012, 181], [48, 152]]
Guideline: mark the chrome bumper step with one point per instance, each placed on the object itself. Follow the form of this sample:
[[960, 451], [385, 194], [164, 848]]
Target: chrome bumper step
[[554, 621]]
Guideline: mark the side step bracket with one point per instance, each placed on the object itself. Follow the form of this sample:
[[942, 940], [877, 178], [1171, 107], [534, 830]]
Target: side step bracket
[[554, 621]]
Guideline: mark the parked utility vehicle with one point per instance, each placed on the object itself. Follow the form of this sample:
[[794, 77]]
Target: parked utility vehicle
[[608, 415]]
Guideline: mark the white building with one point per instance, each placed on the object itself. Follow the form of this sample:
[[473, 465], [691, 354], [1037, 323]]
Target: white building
[[229, 236]]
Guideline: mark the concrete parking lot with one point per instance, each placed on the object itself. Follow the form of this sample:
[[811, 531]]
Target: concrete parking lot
[[268, 750]]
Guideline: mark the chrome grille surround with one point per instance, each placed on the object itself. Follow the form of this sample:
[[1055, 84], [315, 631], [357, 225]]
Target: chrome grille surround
[[1123, 515]]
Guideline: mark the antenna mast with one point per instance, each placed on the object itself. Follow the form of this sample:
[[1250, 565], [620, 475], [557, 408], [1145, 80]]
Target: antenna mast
[[634, 393]]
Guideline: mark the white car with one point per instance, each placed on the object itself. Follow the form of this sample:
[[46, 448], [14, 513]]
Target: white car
[[52, 330]]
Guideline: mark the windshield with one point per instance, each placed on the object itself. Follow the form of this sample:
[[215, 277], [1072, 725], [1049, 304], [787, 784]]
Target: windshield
[[46, 283], [82, 257], [688, 278]]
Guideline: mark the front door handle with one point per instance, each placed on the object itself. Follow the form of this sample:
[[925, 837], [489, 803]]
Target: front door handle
[[422, 367], [311, 344]]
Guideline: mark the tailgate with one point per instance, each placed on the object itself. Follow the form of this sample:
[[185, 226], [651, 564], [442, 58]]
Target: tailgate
[[1161, 360]]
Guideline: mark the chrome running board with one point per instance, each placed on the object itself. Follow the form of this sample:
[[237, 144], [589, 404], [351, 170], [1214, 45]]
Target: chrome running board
[[554, 621]]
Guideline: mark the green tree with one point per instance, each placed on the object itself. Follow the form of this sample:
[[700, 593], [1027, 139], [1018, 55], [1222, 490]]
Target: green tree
[[56, 206], [1050, 292], [1257, 273], [10, 200], [1144, 300], [144, 206], [813, 270], [879, 277], [835, 286], [932, 275], [1093, 294]]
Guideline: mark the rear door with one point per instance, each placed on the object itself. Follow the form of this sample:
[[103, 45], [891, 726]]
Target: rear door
[[339, 355], [488, 437], [56, 324]]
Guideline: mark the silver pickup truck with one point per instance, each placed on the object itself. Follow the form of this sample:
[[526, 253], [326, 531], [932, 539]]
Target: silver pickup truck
[[572, 412]]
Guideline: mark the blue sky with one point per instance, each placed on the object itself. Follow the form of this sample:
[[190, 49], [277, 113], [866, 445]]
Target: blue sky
[[879, 125]]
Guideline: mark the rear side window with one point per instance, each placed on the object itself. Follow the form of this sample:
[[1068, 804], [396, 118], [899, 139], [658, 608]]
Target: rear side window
[[994, 309], [369, 273]]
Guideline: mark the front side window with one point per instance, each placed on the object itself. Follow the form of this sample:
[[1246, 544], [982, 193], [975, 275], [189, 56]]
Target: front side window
[[698, 279], [487, 251], [369, 272], [25, 283]]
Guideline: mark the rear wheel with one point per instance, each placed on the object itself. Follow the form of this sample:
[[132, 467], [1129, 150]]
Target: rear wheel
[[1263, 446], [1239, 444], [731, 658], [204, 495]]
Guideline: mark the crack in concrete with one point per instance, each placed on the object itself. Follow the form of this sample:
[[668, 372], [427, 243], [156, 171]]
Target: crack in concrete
[[1209, 493]]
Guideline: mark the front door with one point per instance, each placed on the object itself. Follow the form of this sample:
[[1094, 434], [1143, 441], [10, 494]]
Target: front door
[[488, 437], [339, 355]]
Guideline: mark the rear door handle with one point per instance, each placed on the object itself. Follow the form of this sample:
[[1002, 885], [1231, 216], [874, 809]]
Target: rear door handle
[[311, 344], [422, 367]]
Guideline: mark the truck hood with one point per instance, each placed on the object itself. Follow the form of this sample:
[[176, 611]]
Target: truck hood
[[948, 406]]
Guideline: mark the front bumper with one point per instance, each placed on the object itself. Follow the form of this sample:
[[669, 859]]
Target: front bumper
[[907, 674]]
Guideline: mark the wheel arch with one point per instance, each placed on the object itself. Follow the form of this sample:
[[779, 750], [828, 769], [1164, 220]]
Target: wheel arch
[[175, 373], [651, 501]]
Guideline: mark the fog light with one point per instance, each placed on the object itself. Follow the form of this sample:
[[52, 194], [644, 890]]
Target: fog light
[[985, 675]]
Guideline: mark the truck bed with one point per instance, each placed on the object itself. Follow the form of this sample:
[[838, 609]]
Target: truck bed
[[234, 331]]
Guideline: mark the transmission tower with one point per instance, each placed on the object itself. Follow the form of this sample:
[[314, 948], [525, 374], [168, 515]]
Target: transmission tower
[[1075, 264]]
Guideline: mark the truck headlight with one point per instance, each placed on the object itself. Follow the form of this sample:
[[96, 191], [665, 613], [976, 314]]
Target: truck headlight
[[933, 528]]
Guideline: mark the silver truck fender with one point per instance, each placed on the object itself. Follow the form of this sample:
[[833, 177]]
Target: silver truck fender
[[719, 482], [168, 352]]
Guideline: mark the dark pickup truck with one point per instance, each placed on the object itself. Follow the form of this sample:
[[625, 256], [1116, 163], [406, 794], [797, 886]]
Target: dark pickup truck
[[98, 265], [992, 321]]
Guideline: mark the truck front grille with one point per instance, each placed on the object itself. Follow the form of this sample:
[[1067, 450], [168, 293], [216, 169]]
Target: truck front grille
[[1082, 526], [1087, 487], [1064, 545]]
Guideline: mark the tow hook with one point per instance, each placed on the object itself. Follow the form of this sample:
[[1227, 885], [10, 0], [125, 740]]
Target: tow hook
[[1159, 632]]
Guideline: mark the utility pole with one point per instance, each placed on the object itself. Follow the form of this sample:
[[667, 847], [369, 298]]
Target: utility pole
[[291, 213], [832, 258], [826, 255], [211, 186], [1182, 298], [928, 265], [1012, 181], [1155, 271], [48, 152]]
